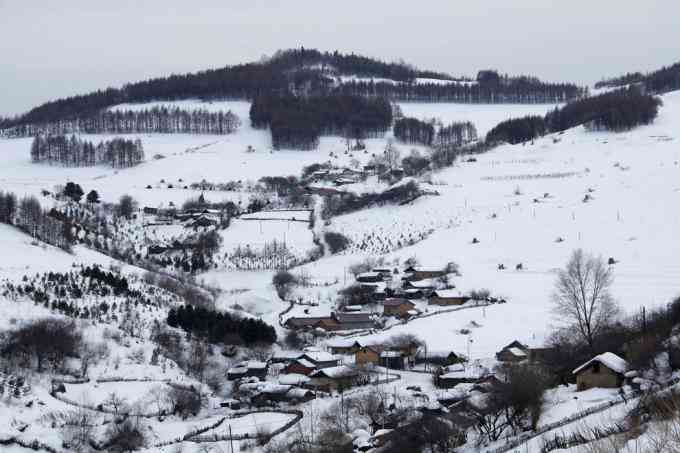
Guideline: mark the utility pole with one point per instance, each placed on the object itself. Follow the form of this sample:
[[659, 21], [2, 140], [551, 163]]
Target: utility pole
[[231, 440]]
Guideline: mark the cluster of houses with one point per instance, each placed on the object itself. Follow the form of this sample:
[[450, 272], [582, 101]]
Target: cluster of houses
[[343, 176], [416, 283], [396, 298], [190, 218]]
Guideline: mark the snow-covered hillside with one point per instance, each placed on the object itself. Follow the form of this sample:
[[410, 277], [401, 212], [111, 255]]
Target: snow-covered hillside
[[612, 194]]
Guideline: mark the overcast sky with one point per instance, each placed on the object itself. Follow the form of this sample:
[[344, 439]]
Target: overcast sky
[[51, 49]]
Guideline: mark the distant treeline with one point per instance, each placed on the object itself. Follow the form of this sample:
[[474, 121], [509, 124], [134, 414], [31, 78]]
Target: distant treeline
[[218, 327], [415, 131], [155, 120], [29, 216], [298, 122], [308, 72], [614, 111], [75, 152], [660, 81], [496, 90]]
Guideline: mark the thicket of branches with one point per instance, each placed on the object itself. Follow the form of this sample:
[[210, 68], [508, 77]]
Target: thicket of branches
[[29, 216], [154, 120], [298, 122], [220, 327], [75, 152]]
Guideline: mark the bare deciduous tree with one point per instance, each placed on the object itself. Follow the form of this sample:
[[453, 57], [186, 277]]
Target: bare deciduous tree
[[582, 296]]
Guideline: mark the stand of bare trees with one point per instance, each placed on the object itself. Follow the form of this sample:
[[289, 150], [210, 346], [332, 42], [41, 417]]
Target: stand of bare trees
[[156, 120], [75, 152]]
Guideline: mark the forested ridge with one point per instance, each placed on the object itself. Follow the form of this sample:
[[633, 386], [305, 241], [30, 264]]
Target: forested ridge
[[308, 72], [660, 81]]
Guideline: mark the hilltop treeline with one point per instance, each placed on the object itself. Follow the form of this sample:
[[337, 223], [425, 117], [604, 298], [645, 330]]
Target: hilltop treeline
[[155, 120], [614, 111], [498, 90], [29, 216], [660, 81], [220, 327], [297, 122], [309, 72], [75, 152]]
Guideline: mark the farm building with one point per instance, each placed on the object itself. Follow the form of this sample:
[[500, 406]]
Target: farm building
[[370, 277], [445, 297], [368, 355], [514, 352], [351, 321], [392, 359], [300, 366], [461, 373], [251, 368], [335, 378], [416, 273], [397, 307], [606, 370], [321, 359], [343, 346]]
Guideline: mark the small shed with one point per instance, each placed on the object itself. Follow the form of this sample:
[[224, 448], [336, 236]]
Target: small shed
[[606, 370]]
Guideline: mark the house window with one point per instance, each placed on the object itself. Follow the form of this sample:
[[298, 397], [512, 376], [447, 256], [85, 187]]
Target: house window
[[596, 367]]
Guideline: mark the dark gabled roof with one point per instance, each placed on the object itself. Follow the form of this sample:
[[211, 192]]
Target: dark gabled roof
[[396, 302], [352, 317], [305, 322]]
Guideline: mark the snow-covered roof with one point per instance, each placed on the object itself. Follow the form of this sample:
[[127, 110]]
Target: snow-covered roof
[[305, 363], [390, 354], [608, 359], [255, 365], [297, 393], [335, 372], [319, 356], [446, 293], [293, 379], [518, 352], [369, 275]]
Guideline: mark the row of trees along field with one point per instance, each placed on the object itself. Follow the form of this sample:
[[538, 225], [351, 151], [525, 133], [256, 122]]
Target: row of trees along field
[[29, 216], [155, 120], [312, 72], [618, 110], [507, 90], [297, 122], [660, 81], [414, 131], [75, 152]]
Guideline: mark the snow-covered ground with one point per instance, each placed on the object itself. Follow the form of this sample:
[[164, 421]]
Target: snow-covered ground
[[610, 194]]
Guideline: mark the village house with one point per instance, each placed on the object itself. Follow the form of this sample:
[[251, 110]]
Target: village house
[[413, 294], [446, 297], [384, 272], [278, 393], [393, 359], [368, 355], [352, 321], [305, 323], [514, 352], [334, 378], [606, 370], [461, 373], [321, 359], [251, 368], [398, 307], [343, 346], [370, 277], [300, 366], [416, 273]]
